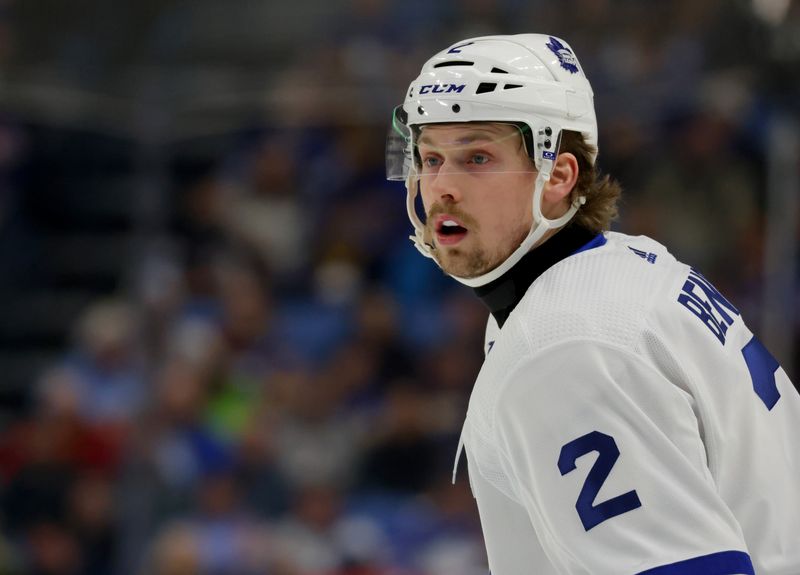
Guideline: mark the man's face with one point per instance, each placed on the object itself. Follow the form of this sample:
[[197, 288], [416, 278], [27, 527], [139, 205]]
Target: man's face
[[477, 185]]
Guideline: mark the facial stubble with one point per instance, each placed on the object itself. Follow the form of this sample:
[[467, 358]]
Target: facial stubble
[[474, 262]]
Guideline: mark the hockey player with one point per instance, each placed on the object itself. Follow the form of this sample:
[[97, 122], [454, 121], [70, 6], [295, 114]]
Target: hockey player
[[625, 420]]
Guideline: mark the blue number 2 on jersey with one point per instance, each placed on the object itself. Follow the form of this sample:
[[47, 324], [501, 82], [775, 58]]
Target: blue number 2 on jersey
[[592, 515]]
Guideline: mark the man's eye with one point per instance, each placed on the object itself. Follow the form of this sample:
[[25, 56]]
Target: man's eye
[[480, 159], [431, 162]]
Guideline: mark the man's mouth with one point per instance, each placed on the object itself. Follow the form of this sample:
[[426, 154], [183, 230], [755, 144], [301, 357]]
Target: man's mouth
[[449, 231]]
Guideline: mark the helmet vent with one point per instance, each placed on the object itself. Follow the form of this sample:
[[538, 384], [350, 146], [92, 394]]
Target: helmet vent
[[511, 86], [498, 71], [452, 63], [485, 87]]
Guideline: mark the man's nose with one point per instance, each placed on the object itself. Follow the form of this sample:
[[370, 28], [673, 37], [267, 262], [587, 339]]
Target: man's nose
[[444, 185]]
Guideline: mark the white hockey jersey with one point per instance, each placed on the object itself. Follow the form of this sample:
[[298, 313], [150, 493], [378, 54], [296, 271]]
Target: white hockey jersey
[[626, 422]]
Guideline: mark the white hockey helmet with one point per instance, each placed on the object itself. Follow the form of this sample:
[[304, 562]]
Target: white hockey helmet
[[531, 80]]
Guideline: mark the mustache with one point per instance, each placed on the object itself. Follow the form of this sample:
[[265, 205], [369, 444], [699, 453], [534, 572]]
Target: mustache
[[438, 209]]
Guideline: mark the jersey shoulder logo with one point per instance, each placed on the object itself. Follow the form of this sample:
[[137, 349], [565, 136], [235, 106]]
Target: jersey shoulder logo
[[647, 256]]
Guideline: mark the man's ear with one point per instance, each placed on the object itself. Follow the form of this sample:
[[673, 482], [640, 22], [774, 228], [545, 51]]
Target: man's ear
[[555, 195]]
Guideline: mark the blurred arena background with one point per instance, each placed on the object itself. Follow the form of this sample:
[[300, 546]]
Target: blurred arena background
[[219, 353]]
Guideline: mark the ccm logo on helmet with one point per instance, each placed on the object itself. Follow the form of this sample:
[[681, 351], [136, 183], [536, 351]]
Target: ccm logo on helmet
[[441, 88]]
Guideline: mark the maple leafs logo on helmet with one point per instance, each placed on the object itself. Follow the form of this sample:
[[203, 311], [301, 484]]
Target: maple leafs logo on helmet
[[565, 56]]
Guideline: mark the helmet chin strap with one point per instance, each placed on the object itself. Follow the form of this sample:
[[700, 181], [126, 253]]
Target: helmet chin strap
[[418, 239], [539, 228]]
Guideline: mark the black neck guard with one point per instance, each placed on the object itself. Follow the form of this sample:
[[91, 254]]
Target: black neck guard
[[502, 295]]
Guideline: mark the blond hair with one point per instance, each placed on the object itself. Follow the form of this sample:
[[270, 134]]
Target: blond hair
[[601, 191]]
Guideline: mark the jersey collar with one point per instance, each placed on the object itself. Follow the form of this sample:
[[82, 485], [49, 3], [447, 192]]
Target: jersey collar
[[502, 295]]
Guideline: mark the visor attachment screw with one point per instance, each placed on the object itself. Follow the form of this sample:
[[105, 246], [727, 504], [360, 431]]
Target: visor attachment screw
[[456, 108], [548, 131], [420, 109], [547, 144]]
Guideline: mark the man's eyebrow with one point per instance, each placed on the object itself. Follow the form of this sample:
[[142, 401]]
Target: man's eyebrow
[[467, 138]]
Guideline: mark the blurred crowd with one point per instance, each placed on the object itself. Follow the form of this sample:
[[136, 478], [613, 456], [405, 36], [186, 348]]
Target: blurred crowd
[[280, 387]]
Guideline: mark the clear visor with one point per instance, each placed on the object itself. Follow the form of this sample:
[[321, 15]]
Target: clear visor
[[399, 161], [474, 148]]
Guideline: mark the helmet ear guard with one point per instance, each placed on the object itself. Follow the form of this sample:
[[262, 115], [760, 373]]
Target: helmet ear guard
[[539, 139]]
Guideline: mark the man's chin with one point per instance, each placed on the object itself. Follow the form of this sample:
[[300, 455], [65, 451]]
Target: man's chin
[[459, 264]]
